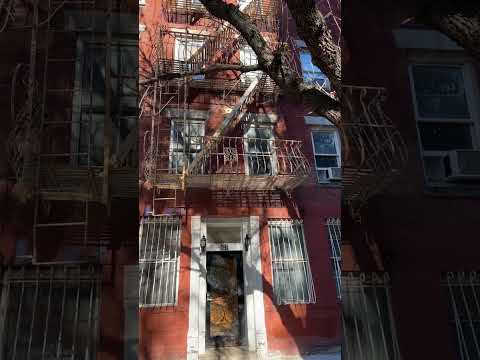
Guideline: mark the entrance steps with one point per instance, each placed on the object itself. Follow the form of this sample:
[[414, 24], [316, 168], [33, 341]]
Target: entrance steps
[[240, 353], [228, 353]]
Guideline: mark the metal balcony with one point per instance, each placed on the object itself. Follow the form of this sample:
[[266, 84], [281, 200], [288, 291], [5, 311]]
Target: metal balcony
[[232, 163]]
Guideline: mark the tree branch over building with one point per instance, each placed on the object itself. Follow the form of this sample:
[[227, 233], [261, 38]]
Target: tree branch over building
[[458, 19], [274, 62], [208, 70]]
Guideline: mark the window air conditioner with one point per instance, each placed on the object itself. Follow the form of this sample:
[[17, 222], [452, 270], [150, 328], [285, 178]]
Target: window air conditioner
[[142, 2], [335, 174], [464, 165]]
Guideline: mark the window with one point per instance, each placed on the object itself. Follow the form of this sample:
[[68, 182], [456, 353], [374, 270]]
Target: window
[[334, 236], [186, 139], [49, 312], [444, 116], [367, 320], [292, 279], [326, 147], [259, 151], [158, 260], [89, 99], [130, 300], [463, 294], [186, 47], [248, 57], [311, 73]]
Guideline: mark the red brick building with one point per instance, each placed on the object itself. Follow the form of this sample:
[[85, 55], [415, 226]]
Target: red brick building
[[420, 232], [69, 179], [238, 187]]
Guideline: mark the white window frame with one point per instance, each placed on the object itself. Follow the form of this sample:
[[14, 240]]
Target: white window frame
[[471, 91], [335, 240], [248, 57], [338, 156], [173, 150], [304, 259], [83, 43], [315, 75], [272, 156], [455, 284], [175, 259], [186, 45]]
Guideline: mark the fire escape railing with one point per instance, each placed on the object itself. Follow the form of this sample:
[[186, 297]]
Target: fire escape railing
[[373, 147], [232, 159]]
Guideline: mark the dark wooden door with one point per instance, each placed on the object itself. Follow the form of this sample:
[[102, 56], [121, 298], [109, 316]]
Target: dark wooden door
[[224, 299]]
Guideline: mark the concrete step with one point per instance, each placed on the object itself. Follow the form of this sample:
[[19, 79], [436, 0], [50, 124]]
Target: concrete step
[[228, 353]]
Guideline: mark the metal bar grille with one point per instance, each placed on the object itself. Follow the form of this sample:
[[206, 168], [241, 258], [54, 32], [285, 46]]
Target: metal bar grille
[[334, 236], [367, 318], [49, 312], [463, 291], [159, 252], [292, 278]]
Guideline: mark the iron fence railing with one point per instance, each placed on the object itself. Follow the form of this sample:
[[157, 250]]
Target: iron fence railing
[[242, 156]]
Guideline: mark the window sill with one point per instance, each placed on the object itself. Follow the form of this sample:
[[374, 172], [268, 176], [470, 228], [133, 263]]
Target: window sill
[[329, 184], [453, 191]]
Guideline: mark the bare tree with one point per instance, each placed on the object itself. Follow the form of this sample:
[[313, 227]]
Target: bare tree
[[458, 19]]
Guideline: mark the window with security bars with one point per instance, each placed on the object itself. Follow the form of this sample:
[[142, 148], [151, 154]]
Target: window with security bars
[[49, 312], [334, 237], [292, 278], [367, 318], [463, 294], [158, 260]]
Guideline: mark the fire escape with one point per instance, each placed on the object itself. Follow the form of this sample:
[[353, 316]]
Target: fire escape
[[374, 148], [176, 159], [53, 145]]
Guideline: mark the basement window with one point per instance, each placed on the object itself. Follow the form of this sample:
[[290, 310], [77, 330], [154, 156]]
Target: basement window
[[158, 259], [334, 237], [367, 318], [292, 278], [463, 295], [49, 312]]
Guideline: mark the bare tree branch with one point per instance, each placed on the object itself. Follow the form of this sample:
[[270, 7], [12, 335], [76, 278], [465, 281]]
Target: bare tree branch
[[458, 19], [312, 28], [274, 62], [209, 70]]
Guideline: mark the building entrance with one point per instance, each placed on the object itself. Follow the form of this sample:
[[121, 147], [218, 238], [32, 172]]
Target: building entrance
[[225, 310]]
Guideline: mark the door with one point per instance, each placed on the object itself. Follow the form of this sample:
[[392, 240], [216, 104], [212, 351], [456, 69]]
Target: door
[[225, 299]]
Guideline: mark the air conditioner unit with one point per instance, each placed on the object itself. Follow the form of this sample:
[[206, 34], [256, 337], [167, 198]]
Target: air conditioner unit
[[464, 165], [142, 2], [335, 174]]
